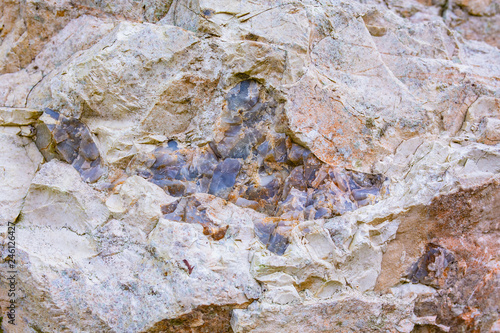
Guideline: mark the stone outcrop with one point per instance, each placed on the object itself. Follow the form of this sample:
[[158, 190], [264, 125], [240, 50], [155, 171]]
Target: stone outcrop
[[254, 166]]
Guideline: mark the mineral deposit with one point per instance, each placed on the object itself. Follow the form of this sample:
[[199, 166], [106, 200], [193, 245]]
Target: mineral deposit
[[250, 166]]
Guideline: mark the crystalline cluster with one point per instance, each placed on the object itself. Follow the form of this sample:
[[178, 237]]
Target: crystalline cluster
[[253, 165]]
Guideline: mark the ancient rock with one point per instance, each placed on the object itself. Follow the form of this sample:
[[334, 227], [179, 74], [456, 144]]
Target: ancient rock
[[325, 316], [255, 166], [455, 238], [482, 120], [19, 161], [69, 139], [221, 167], [138, 203], [121, 247], [58, 198], [192, 210], [15, 87], [29, 25], [434, 268], [224, 177]]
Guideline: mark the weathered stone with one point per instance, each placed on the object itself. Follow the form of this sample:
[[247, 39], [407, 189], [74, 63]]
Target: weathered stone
[[58, 198], [202, 319], [251, 166], [242, 98], [346, 313], [295, 202], [19, 161], [434, 268], [15, 88], [138, 203], [224, 177], [29, 25], [101, 67], [191, 210], [482, 120], [244, 146], [115, 249], [456, 239], [69, 140], [278, 242]]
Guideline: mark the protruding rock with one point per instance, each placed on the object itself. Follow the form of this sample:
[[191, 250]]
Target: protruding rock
[[224, 177], [435, 268], [58, 198], [18, 116], [19, 161], [70, 140]]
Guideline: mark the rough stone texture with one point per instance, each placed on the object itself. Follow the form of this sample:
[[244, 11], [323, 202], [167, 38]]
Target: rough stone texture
[[57, 198], [19, 161], [18, 116], [461, 258], [69, 140], [250, 166], [28, 25]]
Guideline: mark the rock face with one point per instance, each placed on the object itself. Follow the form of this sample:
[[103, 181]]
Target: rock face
[[263, 166]]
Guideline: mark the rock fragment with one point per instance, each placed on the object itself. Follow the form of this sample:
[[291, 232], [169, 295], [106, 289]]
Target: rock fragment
[[68, 139]]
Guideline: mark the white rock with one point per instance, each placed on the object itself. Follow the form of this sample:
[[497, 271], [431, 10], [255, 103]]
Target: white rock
[[384, 87], [346, 313], [19, 160], [138, 203], [411, 290]]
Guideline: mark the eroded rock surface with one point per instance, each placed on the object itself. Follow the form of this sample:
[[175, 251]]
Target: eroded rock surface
[[254, 166]]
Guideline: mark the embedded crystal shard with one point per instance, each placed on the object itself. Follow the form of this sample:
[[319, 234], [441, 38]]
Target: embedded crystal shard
[[69, 140]]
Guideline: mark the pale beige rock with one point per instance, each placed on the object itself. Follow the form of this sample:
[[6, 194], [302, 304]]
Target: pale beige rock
[[480, 7], [386, 87], [95, 267], [397, 222], [58, 198], [19, 161], [165, 101], [18, 116], [281, 24], [473, 19], [186, 105], [491, 131], [78, 35], [221, 269], [14, 38], [482, 120], [484, 28], [21, 325], [346, 313], [95, 76], [30, 24], [417, 71], [116, 141]]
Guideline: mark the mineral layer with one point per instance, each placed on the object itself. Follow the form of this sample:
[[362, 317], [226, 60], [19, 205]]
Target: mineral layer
[[249, 166]]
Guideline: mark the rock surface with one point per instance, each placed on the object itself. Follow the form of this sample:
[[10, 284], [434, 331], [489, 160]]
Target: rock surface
[[252, 166]]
